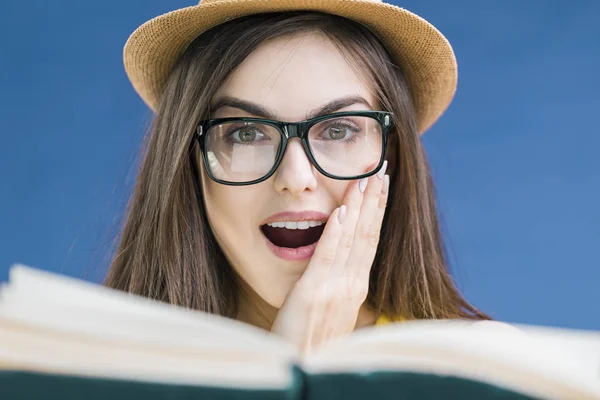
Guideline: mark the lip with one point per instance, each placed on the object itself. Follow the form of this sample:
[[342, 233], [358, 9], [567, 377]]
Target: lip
[[294, 254], [289, 254], [296, 216]]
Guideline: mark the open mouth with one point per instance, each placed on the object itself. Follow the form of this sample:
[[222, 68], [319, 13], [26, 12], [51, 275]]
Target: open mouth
[[293, 235]]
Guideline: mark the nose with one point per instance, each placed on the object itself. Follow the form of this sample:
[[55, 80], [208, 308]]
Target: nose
[[296, 173]]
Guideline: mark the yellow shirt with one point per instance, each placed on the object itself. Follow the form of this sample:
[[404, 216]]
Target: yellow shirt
[[384, 320]]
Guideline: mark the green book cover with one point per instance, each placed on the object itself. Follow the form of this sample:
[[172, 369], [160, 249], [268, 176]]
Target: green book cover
[[347, 386], [20, 385], [389, 385]]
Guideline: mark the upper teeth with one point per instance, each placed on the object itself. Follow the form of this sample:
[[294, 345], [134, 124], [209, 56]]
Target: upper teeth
[[295, 225]]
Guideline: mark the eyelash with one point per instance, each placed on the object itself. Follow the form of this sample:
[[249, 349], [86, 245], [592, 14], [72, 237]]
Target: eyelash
[[232, 131], [337, 124], [345, 124]]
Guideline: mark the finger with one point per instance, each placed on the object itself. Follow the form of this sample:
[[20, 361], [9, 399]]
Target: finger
[[325, 307], [369, 230], [328, 317], [368, 227], [353, 200], [371, 198], [335, 308], [344, 322], [357, 195], [324, 255], [310, 336]]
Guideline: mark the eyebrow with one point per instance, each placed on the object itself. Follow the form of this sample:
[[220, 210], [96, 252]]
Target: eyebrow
[[262, 112]]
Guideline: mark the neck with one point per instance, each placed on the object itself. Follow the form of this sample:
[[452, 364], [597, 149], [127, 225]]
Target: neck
[[253, 310]]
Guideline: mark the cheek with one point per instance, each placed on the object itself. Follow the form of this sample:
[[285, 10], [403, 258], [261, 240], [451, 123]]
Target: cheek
[[338, 191], [226, 207], [220, 203], [233, 214]]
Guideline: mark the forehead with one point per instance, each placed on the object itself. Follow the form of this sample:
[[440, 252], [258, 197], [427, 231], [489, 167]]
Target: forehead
[[294, 75]]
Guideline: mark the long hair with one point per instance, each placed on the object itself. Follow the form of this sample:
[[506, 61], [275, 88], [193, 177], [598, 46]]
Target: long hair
[[166, 249]]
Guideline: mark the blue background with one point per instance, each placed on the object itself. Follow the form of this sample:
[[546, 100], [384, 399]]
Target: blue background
[[515, 157]]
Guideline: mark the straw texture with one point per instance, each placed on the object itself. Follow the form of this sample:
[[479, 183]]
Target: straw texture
[[424, 54]]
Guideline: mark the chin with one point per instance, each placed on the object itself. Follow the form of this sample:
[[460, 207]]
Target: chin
[[275, 295], [275, 291], [270, 278]]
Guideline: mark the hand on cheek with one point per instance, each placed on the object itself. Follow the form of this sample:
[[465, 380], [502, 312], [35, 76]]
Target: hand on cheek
[[326, 300]]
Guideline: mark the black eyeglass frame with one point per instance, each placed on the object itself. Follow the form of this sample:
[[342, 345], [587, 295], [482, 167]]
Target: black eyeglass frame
[[289, 130]]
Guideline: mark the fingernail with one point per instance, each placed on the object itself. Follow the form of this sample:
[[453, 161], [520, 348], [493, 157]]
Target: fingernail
[[386, 184], [362, 184], [342, 214], [381, 172]]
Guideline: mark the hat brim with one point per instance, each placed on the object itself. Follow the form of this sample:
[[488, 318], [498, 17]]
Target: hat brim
[[423, 53]]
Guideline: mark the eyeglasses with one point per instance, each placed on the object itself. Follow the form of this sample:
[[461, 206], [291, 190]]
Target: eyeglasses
[[344, 145]]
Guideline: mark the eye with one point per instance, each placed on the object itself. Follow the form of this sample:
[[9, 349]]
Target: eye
[[247, 134], [336, 132], [339, 130]]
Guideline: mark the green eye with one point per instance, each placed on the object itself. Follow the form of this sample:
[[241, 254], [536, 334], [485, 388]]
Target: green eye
[[337, 133], [246, 134]]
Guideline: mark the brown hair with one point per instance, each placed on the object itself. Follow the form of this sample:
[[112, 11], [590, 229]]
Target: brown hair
[[167, 250]]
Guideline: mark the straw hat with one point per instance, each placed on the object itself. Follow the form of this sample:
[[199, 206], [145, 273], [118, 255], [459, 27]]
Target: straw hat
[[424, 54]]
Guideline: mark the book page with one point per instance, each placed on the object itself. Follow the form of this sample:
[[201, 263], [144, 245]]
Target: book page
[[56, 323], [492, 352], [34, 350], [67, 303]]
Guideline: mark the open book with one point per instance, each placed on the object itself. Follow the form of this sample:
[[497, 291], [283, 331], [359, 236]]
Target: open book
[[65, 338]]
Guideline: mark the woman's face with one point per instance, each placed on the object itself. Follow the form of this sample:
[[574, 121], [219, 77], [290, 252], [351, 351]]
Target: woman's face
[[290, 78]]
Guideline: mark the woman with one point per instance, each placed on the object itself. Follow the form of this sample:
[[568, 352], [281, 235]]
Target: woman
[[284, 183]]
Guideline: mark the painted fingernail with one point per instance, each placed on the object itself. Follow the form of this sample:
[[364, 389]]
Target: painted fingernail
[[381, 172], [342, 214], [362, 184], [386, 184]]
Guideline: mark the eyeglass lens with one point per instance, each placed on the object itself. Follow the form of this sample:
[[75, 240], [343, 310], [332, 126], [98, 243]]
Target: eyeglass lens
[[244, 151]]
